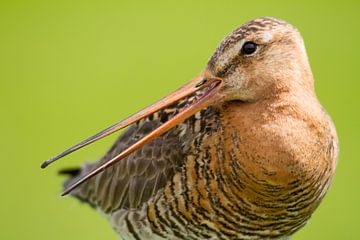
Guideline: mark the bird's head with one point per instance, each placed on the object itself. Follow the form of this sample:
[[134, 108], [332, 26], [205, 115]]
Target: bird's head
[[261, 58]]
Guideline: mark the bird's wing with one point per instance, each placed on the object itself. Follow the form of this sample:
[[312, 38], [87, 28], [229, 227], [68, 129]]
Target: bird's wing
[[134, 179]]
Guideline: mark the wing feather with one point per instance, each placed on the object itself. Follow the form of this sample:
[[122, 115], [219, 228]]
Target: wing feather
[[134, 179]]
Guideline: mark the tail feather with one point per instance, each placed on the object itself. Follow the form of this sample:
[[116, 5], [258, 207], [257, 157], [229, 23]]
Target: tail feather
[[72, 172]]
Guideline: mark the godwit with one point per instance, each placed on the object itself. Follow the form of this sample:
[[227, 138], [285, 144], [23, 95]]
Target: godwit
[[242, 151]]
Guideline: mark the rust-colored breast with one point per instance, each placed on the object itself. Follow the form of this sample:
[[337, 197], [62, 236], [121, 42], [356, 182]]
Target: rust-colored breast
[[253, 176]]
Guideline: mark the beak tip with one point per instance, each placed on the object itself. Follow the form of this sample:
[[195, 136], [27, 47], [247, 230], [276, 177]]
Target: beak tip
[[45, 164]]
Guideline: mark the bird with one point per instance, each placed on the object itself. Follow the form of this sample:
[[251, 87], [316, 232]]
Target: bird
[[244, 150]]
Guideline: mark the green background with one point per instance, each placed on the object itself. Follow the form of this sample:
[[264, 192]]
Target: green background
[[71, 68]]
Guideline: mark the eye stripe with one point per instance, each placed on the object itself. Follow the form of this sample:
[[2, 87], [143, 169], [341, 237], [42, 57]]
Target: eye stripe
[[229, 55]]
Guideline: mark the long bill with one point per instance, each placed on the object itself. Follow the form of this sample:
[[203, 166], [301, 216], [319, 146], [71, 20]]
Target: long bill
[[204, 81]]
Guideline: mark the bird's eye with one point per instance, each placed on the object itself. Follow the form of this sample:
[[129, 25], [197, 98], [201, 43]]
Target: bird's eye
[[248, 48]]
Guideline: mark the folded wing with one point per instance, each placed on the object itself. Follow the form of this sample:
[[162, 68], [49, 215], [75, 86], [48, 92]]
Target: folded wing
[[134, 179]]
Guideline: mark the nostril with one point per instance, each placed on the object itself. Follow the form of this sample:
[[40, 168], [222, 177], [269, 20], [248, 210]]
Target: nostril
[[202, 82]]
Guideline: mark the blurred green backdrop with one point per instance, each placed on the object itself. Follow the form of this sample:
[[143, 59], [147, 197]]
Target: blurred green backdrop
[[71, 68]]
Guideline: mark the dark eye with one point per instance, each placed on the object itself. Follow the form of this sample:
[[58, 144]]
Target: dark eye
[[248, 48]]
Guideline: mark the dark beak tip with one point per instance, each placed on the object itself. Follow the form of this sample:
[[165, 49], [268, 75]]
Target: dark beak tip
[[45, 164]]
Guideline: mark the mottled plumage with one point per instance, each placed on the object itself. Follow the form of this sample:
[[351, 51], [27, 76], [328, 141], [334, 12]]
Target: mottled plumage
[[244, 151], [145, 171]]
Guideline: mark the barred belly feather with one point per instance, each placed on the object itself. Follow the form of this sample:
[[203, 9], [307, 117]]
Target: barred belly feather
[[219, 192]]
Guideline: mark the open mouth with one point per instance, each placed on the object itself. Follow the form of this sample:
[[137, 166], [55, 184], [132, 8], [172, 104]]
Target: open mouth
[[188, 100]]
